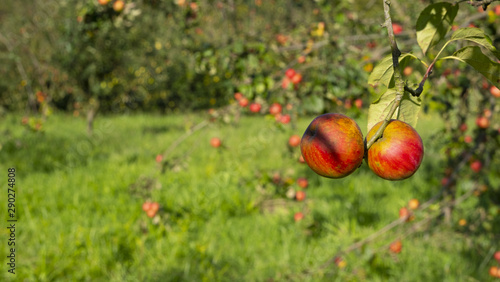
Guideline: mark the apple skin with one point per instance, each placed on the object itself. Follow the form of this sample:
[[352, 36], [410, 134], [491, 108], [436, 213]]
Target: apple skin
[[255, 107], [398, 153], [332, 145]]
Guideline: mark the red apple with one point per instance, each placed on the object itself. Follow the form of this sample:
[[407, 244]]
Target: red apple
[[103, 2], [275, 109], [404, 213], [332, 145], [255, 107], [358, 103], [298, 216], [497, 10], [463, 127], [407, 71], [118, 5], [396, 247], [285, 83], [215, 142], [151, 213], [476, 166], [159, 158], [300, 195], [413, 204], [494, 271], [398, 153], [243, 102], [285, 119], [483, 122], [397, 28], [155, 206], [146, 206], [467, 139], [301, 59], [496, 255], [493, 89], [238, 96], [294, 140], [290, 73], [297, 78], [445, 181], [302, 182], [25, 120]]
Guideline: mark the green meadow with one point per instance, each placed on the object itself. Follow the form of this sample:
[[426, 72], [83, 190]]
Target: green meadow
[[79, 198]]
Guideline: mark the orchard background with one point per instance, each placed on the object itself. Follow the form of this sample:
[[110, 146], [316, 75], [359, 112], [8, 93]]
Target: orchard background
[[157, 140]]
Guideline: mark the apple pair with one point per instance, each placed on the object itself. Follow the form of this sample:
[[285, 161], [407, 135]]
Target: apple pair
[[333, 147]]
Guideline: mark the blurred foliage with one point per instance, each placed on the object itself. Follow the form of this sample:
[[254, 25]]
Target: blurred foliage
[[168, 55]]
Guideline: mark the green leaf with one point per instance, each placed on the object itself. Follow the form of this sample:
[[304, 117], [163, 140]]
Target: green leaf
[[383, 73], [408, 108], [433, 23], [473, 56], [477, 36], [314, 104]]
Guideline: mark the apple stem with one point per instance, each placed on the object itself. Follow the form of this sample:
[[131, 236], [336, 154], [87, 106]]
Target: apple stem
[[400, 85]]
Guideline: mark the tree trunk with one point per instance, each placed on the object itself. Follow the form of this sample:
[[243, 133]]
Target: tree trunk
[[91, 113]]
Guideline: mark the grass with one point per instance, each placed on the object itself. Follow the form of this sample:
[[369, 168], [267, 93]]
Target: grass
[[79, 207]]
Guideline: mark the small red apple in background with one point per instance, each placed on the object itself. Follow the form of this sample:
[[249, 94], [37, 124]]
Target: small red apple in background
[[215, 142], [396, 247], [146, 206], [285, 119], [243, 102], [302, 182], [300, 195], [290, 73], [487, 113], [496, 255], [118, 5], [159, 158], [497, 10], [282, 39], [294, 140], [482, 122], [445, 181], [404, 213], [285, 83], [298, 216], [413, 204], [476, 166], [494, 272], [151, 208], [333, 145], [358, 103], [463, 127], [467, 139], [25, 120], [398, 154], [275, 109], [238, 96], [103, 2], [493, 89], [397, 28], [407, 71], [301, 59], [255, 107], [289, 106], [297, 78]]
